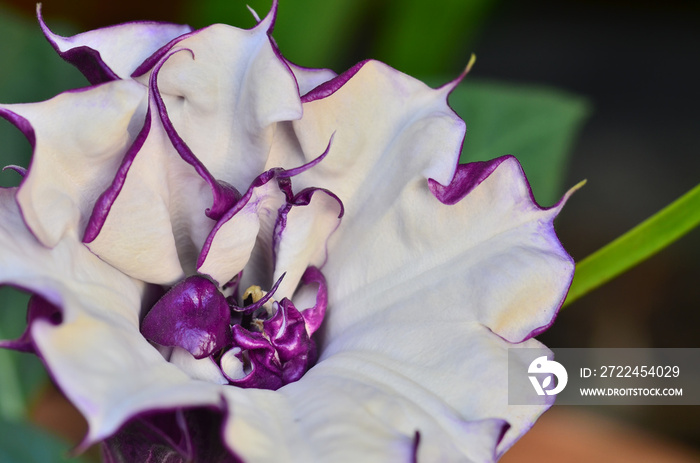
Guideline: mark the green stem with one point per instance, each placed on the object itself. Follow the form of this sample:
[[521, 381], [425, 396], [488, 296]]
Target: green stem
[[638, 244]]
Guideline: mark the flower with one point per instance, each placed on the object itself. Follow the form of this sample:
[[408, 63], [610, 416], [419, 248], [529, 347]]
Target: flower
[[222, 243]]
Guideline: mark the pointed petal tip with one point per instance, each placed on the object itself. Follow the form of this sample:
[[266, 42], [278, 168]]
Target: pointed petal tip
[[254, 13], [578, 186], [268, 22], [570, 192], [448, 87]]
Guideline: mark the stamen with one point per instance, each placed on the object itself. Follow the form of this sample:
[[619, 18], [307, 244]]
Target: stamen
[[253, 294]]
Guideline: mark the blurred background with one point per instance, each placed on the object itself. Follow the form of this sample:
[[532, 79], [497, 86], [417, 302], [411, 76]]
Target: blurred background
[[600, 90]]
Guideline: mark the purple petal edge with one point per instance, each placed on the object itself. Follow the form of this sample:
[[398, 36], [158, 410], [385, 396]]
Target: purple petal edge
[[224, 195], [22, 171], [104, 203], [303, 198], [86, 59], [326, 89], [158, 55], [283, 180], [89, 60], [259, 181], [313, 316], [22, 125], [414, 450], [465, 179], [469, 176]]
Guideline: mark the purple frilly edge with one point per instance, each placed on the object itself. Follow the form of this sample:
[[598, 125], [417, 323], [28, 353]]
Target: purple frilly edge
[[88, 60], [470, 175], [224, 195], [279, 355], [283, 178], [326, 89]]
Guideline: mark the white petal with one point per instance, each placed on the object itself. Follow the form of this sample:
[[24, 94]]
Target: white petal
[[433, 355], [308, 78], [204, 369], [96, 355], [232, 367], [80, 139]]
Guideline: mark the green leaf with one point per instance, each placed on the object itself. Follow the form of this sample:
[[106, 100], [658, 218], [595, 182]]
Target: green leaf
[[21, 442], [21, 374], [37, 73], [427, 38], [638, 244], [537, 125]]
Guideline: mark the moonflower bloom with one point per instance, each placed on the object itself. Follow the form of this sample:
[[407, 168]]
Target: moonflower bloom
[[233, 258]]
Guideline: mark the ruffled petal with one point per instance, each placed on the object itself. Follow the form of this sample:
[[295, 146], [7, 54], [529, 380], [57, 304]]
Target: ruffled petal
[[495, 255], [311, 298], [70, 168], [433, 345], [368, 402], [159, 243], [225, 96], [96, 354], [115, 52], [388, 129]]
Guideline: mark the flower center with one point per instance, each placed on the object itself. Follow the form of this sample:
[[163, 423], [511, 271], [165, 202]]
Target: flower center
[[262, 343]]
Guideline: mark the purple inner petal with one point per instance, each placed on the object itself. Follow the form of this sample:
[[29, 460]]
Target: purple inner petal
[[193, 315], [170, 436], [266, 371], [313, 316], [225, 195], [287, 333]]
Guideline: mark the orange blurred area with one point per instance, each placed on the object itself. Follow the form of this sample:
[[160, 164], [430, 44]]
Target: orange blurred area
[[576, 435]]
